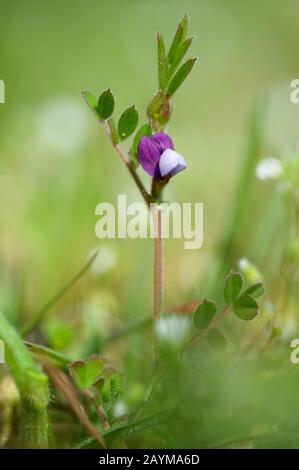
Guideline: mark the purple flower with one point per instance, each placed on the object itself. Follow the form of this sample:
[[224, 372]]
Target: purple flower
[[157, 156]]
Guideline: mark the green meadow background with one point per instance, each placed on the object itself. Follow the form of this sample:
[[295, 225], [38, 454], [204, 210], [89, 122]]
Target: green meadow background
[[56, 164]]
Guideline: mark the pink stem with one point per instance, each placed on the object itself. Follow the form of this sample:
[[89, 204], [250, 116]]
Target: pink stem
[[158, 285]]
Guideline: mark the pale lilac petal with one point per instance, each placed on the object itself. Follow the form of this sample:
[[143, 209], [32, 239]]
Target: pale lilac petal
[[171, 163], [163, 140], [149, 155]]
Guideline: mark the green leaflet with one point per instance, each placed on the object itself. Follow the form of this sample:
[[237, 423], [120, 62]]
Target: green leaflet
[[178, 57], [256, 290], [180, 76], [86, 373], [246, 307], [90, 100], [162, 63]]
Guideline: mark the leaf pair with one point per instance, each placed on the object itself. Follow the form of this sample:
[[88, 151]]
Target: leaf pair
[[104, 108], [244, 304], [127, 122]]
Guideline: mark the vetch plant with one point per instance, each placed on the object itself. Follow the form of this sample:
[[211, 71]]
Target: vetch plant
[[90, 389], [152, 148]]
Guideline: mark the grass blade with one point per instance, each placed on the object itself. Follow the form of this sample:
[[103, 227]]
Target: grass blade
[[180, 76], [41, 313]]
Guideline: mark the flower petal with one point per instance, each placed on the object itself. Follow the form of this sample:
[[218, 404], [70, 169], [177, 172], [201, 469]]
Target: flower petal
[[163, 140], [149, 155], [171, 163]]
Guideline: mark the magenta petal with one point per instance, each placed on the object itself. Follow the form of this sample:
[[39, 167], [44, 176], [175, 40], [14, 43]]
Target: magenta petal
[[149, 155], [163, 140]]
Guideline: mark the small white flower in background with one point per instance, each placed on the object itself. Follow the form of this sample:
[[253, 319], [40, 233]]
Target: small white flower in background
[[105, 261], [172, 330], [244, 264], [62, 125], [250, 271], [269, 168], [119, 409]]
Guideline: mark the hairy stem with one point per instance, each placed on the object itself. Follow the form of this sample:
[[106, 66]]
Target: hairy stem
[[35, 428], [32, 384], [158, 275], [100, 410], [149, 199]]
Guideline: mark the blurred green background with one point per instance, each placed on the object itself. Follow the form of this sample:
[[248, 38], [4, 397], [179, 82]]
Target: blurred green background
[[56, 164]]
